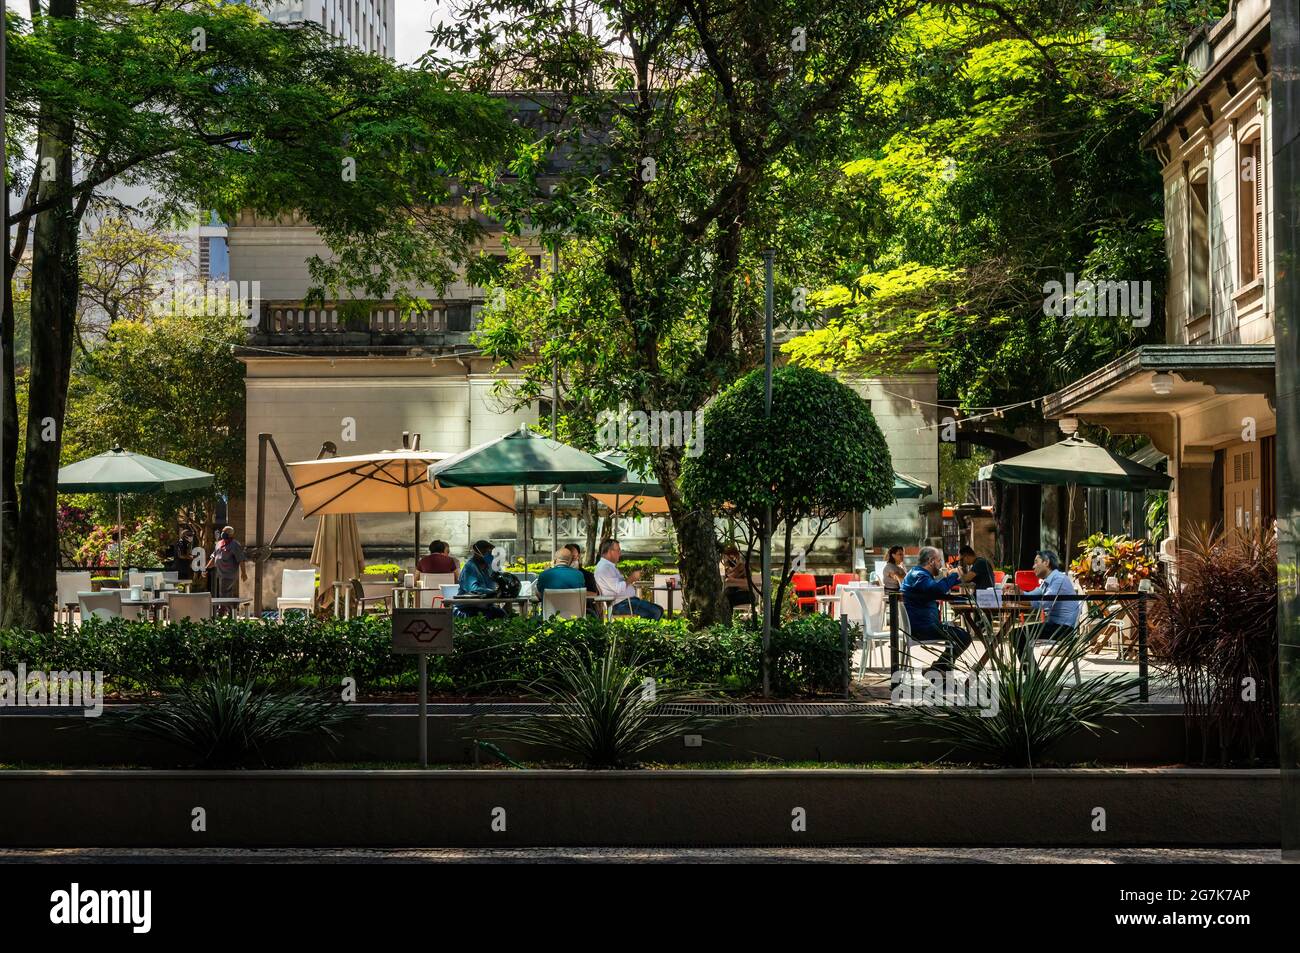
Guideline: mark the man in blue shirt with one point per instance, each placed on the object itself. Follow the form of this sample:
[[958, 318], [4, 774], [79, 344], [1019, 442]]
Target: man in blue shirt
[[1062, 614], [921, 589], [476, 580]]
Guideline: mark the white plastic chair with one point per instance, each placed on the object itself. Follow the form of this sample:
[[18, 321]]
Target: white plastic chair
[[105, 605], [864, 605], [189, 605], [297, 590], [566, 603], [70, 585], [430, 594]]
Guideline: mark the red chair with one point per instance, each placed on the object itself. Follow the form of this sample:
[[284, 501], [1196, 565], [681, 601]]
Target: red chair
[[805, 590], [1026, 580], [839, 579], [999, 577]]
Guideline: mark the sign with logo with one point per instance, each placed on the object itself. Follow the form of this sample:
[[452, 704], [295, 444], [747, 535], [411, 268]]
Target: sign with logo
[[422, 631]]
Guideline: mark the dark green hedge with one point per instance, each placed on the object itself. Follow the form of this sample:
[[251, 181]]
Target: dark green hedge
[[491, 657]]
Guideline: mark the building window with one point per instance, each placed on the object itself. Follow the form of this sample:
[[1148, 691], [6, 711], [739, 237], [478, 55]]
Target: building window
[[1250, 209], [205, 258], [1198, 245]]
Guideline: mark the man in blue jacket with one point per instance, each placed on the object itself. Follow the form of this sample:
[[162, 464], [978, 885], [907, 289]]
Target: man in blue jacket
[[921, 590]]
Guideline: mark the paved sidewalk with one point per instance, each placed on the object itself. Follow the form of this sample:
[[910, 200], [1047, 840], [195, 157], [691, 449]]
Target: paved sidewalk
[[644, 855]]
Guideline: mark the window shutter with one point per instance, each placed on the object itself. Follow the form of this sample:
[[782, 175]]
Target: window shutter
[[1259, 208]]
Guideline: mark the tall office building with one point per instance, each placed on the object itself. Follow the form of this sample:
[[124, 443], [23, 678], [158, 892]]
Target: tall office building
[[365, 24]]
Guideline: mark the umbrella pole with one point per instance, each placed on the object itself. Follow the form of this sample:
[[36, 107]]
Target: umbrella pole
[[417, 537], [121, 555], [525, 531], [613, 517]]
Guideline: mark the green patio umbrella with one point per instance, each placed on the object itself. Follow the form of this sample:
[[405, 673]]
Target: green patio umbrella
[[636, 490], [909, 488], [1072, 463], [1076, 462], [120, 471], [523, 458]]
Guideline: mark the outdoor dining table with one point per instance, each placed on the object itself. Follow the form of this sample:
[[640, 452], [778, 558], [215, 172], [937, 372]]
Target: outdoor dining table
[[971, 615], [230, 605], [668, 589], [150, 604], [522, 604]]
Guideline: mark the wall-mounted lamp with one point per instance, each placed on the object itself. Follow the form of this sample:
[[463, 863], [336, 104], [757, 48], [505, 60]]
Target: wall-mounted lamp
[[1069, 425]]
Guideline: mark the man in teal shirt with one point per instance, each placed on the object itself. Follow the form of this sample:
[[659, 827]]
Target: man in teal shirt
[[561, 575]]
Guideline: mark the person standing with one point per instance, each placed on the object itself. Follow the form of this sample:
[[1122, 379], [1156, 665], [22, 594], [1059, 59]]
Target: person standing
[[181, 558], [227, 565], [922, 589], [612, 583]]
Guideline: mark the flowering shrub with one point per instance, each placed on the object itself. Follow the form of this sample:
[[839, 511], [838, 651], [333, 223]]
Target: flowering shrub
[[75, 524], [1102, 556], [141, 545]]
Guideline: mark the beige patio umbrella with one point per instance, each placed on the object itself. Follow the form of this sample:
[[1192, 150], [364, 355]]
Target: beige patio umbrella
[[390, 481], [336, 552]]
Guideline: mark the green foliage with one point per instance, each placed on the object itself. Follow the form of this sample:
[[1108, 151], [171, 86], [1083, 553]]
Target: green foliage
[[1038, 704], [383, 569], [491, 657], [1007, 157], [604, 714], [1214, 629], [821, 453], [224, 722]]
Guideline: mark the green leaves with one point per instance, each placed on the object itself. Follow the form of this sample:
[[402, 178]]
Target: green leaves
[[821, 454]]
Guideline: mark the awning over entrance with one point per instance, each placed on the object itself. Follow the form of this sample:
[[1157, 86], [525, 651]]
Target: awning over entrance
[[1145, 389]]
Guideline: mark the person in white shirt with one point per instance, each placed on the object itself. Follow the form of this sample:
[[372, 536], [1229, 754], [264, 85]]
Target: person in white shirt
[[611, 583]]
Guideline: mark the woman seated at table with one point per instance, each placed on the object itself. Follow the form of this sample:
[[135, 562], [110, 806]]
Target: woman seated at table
[[735, 578], [476, 581]]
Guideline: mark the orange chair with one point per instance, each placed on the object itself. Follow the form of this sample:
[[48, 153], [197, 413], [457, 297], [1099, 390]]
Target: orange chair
[[805, 590], [1026, 580], [999, 577]]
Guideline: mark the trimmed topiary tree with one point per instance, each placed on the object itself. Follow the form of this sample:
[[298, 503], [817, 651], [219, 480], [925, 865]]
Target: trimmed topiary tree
[[820, 456]]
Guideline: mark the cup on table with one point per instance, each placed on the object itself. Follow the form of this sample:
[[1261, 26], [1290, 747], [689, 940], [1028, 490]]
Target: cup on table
[[409, 580], [136, 594], [450, 590]]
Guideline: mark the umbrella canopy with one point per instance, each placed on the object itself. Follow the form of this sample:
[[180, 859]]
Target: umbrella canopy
[[121, 471], [1078, 462], [909, 488], [390, 481], [523, 458], [337, 552], [637, 490]]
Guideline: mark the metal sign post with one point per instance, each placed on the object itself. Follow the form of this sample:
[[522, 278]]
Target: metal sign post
[[423, 632]]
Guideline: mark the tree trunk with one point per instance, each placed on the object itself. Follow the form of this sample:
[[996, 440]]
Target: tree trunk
[[697, 545], [9, 423], [54, 285], [591, 520]]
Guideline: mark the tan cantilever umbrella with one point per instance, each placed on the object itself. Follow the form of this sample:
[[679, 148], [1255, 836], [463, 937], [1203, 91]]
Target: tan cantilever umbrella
[[389, 481], [337, 552]]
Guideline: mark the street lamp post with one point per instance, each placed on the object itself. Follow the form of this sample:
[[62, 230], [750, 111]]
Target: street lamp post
[[769, 256], [555, 402]]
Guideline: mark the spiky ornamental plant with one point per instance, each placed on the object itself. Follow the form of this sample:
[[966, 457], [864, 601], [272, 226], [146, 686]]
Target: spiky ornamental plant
[[605, 709], [223, 721], [1038, 703]]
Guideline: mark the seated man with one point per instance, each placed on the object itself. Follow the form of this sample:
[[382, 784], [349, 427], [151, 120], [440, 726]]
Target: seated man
[[561, 575], [612, 583], [976, 570], [921, 589], [438, 562], [476, 580], [587, 575], [1062, 614]]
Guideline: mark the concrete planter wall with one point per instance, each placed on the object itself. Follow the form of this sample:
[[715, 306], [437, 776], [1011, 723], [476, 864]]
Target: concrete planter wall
[[1076, 807], [1152, 738]]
